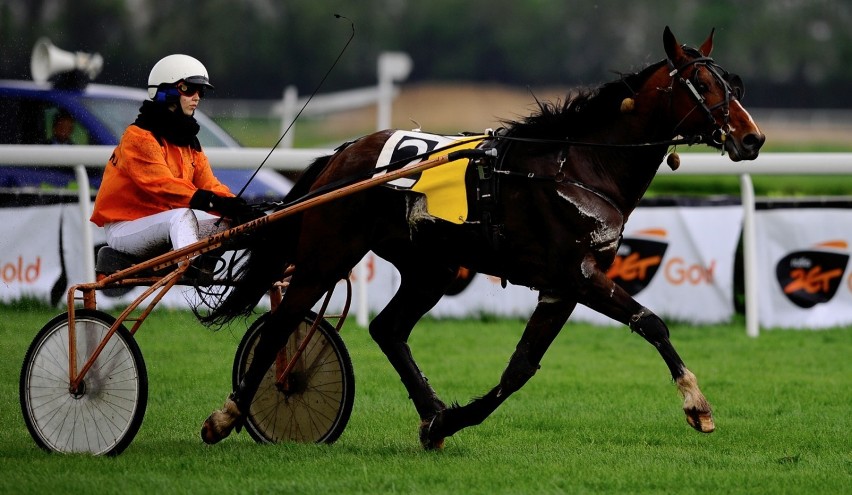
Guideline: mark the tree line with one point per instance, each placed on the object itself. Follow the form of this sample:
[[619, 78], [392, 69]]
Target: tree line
[[791, 53]]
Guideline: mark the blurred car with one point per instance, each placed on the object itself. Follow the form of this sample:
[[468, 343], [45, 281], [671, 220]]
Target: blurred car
[[101, 113]]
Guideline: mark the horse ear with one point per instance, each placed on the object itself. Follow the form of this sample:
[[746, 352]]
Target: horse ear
[[707, 46], [673, 49]]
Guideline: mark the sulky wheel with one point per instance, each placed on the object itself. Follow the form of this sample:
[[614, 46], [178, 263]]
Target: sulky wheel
[[104, 414], [314, 403]]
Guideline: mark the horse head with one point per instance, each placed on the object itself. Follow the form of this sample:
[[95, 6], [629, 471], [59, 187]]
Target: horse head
[[706, 100]]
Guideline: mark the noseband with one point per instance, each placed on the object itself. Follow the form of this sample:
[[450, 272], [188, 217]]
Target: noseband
[[731, 83]]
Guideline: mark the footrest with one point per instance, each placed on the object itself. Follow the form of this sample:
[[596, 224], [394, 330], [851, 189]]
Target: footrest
[[201, 271], [110, 260]]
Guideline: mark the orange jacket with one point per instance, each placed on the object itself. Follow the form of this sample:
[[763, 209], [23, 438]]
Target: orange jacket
[[144, 177]]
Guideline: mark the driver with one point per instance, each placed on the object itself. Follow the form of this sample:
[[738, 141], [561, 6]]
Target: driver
[[158, 190]]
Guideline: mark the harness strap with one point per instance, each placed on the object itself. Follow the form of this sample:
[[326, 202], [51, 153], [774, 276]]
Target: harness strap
[[560, 178], [721, 76], [487, 198]]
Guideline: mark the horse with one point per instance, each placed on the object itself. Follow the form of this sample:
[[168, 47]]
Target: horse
[[562, 187]]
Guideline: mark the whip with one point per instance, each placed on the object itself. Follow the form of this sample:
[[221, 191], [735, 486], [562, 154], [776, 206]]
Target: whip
[[339, 55]]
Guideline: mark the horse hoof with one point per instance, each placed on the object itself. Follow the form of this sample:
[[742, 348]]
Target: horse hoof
[[426, 441], [700, 420], [220, 423]]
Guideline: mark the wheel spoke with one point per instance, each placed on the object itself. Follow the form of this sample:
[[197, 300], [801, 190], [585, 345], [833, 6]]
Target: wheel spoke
[[319, 392], [106, 413]]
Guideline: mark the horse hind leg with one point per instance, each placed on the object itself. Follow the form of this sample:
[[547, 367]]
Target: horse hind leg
[[301, 294], [221, 422], [547, 320], [421, 287]]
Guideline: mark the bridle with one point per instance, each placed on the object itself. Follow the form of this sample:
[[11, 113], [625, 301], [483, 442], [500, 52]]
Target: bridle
[[731, 83]]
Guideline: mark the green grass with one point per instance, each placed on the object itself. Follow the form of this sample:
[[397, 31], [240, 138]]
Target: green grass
[[764, 185], [601, 416]]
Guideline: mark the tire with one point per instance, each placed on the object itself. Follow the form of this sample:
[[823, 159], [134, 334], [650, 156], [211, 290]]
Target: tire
[[105, 416], [319, 402]]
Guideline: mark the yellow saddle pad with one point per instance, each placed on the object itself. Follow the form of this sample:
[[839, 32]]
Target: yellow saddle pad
[[443, 186]]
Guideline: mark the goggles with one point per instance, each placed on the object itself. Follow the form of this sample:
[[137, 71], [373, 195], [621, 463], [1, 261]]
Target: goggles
[[189, 89]]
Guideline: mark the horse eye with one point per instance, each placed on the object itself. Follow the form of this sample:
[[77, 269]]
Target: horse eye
[[700, 86]]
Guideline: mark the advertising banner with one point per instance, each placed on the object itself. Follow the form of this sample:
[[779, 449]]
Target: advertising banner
[[41, 256], [804, 278], [676, 259], [30, 261]]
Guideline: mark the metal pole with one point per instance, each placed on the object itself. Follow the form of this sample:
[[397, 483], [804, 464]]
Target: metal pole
[[290, 102], [749, 257], [362, 311], [85, 197]]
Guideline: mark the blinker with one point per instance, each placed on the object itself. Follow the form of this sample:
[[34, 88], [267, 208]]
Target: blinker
[[735, 82]]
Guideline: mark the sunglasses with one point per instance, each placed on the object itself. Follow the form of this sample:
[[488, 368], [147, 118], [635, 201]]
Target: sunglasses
[[188, 89]]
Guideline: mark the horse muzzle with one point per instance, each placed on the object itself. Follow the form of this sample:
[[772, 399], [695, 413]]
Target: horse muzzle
[[746, 147]]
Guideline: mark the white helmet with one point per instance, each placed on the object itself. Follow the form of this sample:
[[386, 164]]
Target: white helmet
[[174, 68]]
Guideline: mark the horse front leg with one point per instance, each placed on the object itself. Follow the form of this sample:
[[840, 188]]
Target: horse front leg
[[606, 297], [547, 320], [421, 287]]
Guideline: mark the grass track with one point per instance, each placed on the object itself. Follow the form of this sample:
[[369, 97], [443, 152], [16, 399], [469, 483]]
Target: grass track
[[601, 416]]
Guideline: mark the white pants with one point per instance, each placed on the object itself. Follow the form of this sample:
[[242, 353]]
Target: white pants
[[158, 233]]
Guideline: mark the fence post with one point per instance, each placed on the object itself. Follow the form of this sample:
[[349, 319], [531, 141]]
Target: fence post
[[393, 66], [288, 113], [85, 198], [749, 257]]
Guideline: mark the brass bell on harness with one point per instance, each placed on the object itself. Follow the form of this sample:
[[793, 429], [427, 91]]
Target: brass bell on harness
[[627, 105]]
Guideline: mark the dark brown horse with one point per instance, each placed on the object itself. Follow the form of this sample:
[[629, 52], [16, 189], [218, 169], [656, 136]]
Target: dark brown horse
[[564, 183]]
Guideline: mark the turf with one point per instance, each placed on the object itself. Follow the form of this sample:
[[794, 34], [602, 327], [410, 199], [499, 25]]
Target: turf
[[601, 416]]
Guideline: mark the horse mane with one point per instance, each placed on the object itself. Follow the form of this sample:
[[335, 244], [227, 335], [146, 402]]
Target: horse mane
[[586, 110]]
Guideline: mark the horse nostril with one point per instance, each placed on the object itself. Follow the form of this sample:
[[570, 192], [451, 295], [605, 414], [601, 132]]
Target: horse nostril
[[754, 141]]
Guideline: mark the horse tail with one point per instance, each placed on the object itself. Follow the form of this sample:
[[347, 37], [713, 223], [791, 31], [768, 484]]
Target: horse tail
[[268, 252]]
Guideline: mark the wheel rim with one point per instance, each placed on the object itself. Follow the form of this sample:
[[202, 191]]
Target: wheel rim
[[96, 417], [310, 409]]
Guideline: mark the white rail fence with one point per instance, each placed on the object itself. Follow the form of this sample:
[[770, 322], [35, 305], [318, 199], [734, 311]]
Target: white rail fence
[[297, 159]]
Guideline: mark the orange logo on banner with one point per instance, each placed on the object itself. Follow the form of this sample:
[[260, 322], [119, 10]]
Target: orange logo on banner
[[678, 273], [812, 277], [632, 267], [638, 260], [20, 272], [811, 281]]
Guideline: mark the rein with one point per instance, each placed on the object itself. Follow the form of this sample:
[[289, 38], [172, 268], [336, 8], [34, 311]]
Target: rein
[[689, 141]]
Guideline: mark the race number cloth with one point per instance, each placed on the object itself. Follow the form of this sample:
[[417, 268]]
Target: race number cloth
[[443, 185], [804, 277], [678, 261]]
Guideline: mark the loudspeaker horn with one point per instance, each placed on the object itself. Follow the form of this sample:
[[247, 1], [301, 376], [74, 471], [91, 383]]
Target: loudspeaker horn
[[48, 60]]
